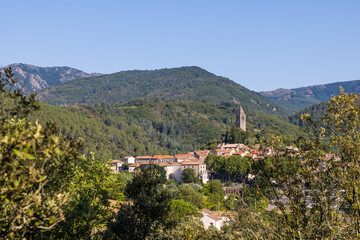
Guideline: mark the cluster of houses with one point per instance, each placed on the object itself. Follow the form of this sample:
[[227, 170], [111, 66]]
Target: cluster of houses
[[239, 149], [174, 165]]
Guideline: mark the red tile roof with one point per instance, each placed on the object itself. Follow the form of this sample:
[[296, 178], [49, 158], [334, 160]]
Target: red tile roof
[[239, 152], [164, 164], [162, 156], [214, 217], [192, 163], [146, 163], [184, 155], [207, 211], [144, 157]]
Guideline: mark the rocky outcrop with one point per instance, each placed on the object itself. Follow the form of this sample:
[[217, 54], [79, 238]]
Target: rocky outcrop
[[32, 78]]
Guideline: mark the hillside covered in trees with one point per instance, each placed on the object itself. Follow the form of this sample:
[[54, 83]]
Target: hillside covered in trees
[[295, 99], [316, 111], [154, 127], [185, 83]]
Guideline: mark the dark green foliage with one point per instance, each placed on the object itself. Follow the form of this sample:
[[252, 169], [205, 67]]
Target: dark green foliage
[[237, 135], [214, 190], [152, 169], [148, 209], [180, 209], [88, 210], [316, 111], [147, 127], [188, 175], [191, 195], [186, 83], [234, 168]]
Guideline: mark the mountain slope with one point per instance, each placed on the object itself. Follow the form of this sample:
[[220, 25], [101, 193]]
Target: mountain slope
[[144, 127], [185, 83], [295, 99], [32, 78], [317, 112]]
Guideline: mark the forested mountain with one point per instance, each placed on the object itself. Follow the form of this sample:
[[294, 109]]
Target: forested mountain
[[185, 83], [152, 126], [317, 112], [32, 78], [295, 99]]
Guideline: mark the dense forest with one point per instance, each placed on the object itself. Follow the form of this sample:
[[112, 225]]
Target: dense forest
[[152, 126], [316, 111], [186, 83]]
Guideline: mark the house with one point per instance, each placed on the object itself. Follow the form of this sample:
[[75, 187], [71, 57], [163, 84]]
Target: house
[[183, 157], [224, 152], [210, 219], [132, 167], [163, 158], [235, 146], [143, 159], [129, 160], [201, 155], [116, 165], [199, 167], [218, 152], [173, 170], [241, 153], [224, 146]]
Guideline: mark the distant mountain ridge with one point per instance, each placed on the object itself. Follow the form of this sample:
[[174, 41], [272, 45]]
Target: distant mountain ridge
[[298, 98], [32, 78], [184, 83]]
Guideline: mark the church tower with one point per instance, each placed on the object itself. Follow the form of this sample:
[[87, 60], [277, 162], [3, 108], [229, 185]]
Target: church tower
[[241, 119]]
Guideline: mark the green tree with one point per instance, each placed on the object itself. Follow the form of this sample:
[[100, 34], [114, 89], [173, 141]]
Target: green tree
[[88, 208], [215, 192], [188, 175], [45, 177], [190, 195], [180, 209], [148, 208]]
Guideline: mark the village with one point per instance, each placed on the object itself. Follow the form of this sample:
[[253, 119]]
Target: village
[[175, 166]]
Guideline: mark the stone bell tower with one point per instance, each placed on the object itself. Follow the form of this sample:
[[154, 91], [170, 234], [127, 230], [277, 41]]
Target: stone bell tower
[[241, 119]]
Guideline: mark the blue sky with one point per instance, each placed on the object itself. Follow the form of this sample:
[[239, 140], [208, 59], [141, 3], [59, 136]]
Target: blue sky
[[262, 45]]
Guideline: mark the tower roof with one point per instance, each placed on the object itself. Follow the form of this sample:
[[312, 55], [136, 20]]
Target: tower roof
[[241, 110]]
